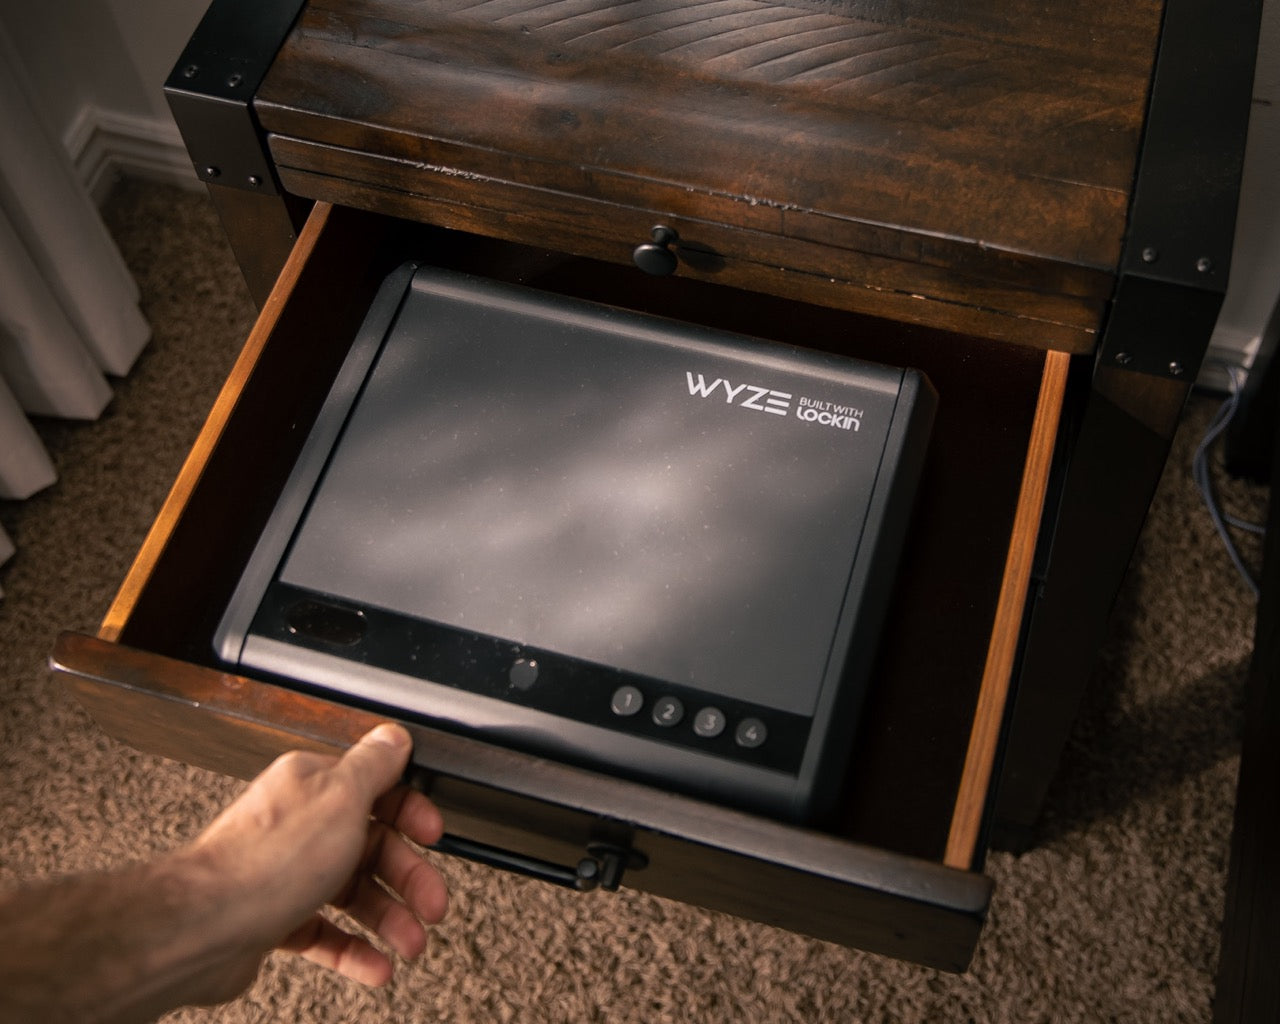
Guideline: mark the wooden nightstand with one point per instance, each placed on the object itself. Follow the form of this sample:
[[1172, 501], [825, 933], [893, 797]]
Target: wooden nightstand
[[1033, 205]]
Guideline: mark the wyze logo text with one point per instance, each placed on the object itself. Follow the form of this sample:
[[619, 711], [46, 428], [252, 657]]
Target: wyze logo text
[[749, 396], [779, 403]]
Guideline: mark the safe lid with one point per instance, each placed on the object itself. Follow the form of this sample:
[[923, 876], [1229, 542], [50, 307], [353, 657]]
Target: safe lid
[[617, 539]]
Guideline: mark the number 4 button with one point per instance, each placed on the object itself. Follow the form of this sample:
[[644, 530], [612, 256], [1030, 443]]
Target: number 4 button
[[750, 733]]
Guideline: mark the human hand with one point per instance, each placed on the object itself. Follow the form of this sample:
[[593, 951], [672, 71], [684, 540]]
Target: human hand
[[193, 926], [314, 829]]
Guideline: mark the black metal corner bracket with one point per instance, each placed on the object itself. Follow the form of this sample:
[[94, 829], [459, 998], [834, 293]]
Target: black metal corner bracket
[[212, 86], [1173, 271]]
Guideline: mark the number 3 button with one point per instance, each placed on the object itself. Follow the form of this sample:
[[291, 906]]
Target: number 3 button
[[709, 723]]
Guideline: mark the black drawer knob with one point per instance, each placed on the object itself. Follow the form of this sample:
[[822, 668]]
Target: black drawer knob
[[656, 257]]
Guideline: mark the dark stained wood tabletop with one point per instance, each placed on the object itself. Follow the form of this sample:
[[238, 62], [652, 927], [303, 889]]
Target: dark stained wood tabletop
[[961, 168]]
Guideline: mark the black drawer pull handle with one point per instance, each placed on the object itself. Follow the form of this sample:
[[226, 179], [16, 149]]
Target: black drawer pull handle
[[656, 257], [602, 867]]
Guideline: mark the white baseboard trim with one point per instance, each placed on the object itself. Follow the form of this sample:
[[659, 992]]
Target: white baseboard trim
[[1229, 348], [106, 145]]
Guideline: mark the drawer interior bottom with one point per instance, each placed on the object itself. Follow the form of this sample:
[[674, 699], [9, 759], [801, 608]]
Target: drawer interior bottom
[[911, 746]]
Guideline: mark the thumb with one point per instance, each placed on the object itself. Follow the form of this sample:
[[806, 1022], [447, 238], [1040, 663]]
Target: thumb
[[378, 759]]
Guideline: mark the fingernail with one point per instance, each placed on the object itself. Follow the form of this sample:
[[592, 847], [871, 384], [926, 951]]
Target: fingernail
[[388, 733]]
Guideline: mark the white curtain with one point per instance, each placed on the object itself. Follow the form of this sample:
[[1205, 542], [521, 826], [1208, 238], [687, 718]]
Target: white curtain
[[68, 306]]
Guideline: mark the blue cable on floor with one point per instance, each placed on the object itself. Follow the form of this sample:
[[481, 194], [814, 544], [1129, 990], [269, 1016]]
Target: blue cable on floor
[[1200, 474]]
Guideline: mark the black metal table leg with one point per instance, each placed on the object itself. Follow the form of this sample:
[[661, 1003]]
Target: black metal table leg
[[1248, 982]]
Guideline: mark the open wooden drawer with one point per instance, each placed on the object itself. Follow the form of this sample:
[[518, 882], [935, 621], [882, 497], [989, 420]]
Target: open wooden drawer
[[902, 873]]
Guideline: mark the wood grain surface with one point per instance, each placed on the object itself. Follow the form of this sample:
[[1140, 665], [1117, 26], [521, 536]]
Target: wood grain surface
[[980, 162], [211, 433], [975, 783]]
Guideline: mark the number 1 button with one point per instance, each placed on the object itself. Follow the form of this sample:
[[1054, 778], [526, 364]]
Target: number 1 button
[[627, 700]]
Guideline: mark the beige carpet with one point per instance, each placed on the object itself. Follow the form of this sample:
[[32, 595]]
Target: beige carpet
[[1113, 917]]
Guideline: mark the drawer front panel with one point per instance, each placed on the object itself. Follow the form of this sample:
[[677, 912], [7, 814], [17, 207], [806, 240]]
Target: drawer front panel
[[696, 853], [916, 286]]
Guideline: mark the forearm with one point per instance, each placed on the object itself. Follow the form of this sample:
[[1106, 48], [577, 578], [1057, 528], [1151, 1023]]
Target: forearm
[[193, 926], [119, 947]]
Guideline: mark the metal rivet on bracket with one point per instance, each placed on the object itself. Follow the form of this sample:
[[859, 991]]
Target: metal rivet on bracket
[[1175, 368], [1123, 358], [1150, 254], [1204, 264]]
